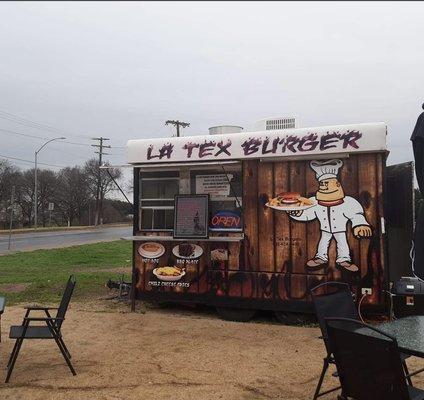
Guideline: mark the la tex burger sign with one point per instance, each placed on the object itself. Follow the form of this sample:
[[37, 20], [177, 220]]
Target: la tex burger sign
[[289, 142]]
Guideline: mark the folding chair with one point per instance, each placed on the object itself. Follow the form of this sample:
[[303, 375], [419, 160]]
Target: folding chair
[[336, 301], [52, 329], [368, 362]]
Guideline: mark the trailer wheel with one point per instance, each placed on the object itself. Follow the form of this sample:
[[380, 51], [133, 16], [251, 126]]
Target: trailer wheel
[[160, 304], [235, 314], [289, 318]]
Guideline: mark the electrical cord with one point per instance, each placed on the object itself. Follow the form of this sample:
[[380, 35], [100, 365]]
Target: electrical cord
[[359, 307], [391, 310]]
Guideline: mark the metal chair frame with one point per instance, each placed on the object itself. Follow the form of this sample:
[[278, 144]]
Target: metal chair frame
[[328, 359], [53, 324]]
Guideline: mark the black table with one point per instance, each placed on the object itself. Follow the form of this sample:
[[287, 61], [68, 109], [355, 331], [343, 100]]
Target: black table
[[409, 333]]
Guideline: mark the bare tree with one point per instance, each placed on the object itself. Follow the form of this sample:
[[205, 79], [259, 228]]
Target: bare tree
[[73, 194], [9, 176], [97, 177], [70, 189], [47, 188], [25, 195]]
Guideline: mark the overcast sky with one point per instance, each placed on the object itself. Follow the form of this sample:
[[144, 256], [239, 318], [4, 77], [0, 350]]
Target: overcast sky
[[121, 69]]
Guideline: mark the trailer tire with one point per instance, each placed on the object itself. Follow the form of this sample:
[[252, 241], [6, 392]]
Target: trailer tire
[[296, 319], [160, 304], [236, 314]]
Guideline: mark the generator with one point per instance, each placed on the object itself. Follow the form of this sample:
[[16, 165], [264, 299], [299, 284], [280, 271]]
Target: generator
[[408, 297]]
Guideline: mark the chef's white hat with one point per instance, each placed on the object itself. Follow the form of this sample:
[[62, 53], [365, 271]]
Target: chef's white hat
[[326, 169]]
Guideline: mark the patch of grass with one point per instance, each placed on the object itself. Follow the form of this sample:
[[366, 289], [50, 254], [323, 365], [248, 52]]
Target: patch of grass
[[46, 271]]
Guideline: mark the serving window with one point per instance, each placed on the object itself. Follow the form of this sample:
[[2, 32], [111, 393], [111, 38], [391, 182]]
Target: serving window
[[223, 185]]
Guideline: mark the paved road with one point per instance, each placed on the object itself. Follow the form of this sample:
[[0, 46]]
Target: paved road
[[50, 240]]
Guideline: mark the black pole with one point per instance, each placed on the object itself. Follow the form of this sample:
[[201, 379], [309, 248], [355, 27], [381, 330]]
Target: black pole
[[136, 210], [417, 253]]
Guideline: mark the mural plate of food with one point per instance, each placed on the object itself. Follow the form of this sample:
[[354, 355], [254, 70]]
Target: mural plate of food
[[187, 251], [290, 201], [151, 250], [169, 274], [219, 254]]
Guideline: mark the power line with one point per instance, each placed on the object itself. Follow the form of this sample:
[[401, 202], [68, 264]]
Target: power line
[[33, 124], [81, 156], [77, 144], [37, 125], [23, 134], [31, 162], [47, 138], [53, 148], [41, 137]]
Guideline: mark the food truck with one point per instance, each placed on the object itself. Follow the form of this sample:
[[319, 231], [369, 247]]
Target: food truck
[[253, 220]]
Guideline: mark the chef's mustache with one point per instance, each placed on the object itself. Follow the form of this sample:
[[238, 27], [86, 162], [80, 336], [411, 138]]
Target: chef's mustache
[[333, 191]]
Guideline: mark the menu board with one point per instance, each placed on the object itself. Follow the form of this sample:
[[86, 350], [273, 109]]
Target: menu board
[[214, 185], [191, 216]]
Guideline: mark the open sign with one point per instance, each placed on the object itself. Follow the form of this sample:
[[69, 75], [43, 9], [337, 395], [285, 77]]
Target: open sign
[[226, 221]]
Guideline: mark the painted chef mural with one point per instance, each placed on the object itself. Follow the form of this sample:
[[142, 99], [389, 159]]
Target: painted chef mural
[[333, 210]]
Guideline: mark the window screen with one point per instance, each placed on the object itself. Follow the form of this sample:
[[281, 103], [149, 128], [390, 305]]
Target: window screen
[[157, 191]]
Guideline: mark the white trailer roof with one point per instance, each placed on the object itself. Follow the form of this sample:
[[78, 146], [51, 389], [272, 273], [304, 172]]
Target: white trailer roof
[[294, 143]]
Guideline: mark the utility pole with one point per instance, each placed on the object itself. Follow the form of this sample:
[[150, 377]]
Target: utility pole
[[177, 124], [99, 197]]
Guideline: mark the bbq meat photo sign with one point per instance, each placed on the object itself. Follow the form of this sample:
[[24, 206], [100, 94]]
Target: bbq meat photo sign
[[263, 144]]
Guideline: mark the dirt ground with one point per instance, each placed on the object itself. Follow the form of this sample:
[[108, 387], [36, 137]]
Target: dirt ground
[[171, 353]]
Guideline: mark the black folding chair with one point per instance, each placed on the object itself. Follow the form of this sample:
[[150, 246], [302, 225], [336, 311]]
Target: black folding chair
[[335, 300], [368, 362], [52, 329], [331, 299]]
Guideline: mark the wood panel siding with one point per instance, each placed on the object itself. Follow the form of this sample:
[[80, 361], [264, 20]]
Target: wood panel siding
[[266, 216], [296, 242], [297, 171], [250, 207], [282, 248], [381, 164], [367, 181]]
